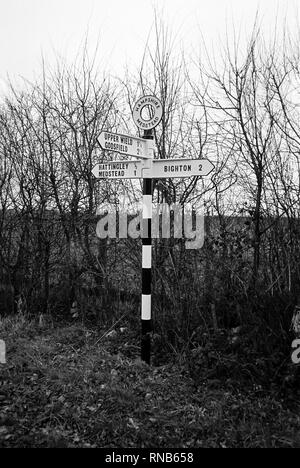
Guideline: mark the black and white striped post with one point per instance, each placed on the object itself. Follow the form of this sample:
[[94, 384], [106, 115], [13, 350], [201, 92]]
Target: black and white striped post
[[155, 112], [146, 318]]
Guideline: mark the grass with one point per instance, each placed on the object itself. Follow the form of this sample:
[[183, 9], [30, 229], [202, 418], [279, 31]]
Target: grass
[[62, 387]]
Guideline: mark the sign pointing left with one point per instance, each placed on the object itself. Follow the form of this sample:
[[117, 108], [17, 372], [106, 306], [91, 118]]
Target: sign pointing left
[[118, 170], [123, 144]]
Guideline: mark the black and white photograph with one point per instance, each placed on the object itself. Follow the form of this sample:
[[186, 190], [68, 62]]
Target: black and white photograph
[[149, 227]]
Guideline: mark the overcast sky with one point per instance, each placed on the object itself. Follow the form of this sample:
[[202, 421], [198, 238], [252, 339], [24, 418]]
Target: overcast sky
[[32, 28]]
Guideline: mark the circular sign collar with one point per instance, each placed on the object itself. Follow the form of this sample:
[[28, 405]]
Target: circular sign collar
[[156, 112]]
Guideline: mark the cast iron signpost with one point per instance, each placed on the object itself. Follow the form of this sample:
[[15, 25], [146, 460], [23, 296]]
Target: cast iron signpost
[[147, 113]]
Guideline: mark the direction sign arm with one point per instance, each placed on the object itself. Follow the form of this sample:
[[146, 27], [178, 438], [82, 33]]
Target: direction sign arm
[[124, 144]]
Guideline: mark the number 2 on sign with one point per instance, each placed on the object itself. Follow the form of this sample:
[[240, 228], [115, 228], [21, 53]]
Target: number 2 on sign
[[200, 167]]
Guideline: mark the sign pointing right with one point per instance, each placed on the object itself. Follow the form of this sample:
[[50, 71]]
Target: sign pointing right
[[165, 168]]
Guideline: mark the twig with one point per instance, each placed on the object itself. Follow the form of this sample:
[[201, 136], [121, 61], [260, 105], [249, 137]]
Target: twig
[[113, 325]]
